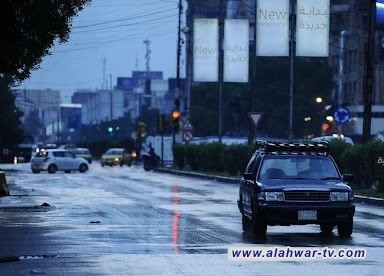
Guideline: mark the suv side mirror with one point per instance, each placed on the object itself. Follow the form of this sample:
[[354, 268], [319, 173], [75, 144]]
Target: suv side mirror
[[249, 176], [347, 177]]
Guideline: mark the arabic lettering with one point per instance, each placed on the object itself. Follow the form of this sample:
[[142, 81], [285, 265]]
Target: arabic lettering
[[380, 161], [311, 27], [313, 11]]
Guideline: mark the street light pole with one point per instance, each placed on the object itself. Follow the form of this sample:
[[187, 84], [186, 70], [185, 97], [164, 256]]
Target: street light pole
[[291, 67]]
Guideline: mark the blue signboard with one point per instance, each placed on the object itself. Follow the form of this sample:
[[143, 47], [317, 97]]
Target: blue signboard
[[342, 115]]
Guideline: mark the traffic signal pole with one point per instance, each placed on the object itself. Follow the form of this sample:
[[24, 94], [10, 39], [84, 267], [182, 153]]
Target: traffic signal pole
[[177, 88], [368, 77]]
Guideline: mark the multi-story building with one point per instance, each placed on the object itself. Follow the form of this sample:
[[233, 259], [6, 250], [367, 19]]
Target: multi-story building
[[45, 101], [82, 96], [104, 105]]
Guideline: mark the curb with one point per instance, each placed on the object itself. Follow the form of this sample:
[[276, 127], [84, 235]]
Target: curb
[[369, 200], [4, 190], [229, 180], [233, 180]]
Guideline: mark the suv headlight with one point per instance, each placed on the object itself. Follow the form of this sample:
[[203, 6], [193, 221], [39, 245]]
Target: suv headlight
[[340, 196], [273, 196]]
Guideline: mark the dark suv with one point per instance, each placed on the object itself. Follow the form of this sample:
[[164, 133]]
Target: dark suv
[[293, 184]]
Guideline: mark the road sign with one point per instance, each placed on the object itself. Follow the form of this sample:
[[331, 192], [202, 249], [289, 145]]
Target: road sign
[[255, 117], [342, 115], [188, 126], [187, 136]]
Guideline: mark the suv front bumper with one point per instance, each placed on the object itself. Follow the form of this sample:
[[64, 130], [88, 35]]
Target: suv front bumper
[[333, 213]]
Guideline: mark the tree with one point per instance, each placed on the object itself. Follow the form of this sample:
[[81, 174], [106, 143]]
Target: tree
[[33, 125], [11, 132], [313, 78], [29, 28]]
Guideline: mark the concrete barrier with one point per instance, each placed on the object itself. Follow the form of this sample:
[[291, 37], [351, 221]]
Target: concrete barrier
[[4, 190]]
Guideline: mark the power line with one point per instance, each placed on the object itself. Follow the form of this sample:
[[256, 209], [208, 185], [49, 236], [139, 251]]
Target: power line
[[122, 19]]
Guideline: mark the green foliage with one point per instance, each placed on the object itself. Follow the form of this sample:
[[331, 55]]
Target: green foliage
[[313, 78], [232, 160], [32, 124], [29, 28], [11, 132], [213, 157], [360, 160], [336, 148], [178, 156], [193, 157]]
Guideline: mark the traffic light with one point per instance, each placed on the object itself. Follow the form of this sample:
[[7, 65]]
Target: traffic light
[[141, 130], [175, 119]]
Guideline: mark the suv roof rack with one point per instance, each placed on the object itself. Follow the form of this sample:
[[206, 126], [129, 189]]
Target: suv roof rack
[[293, 147]]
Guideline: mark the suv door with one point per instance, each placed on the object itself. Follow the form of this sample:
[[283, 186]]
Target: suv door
[[248, 183]]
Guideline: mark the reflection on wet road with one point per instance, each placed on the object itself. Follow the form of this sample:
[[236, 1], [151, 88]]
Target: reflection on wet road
[[124, 211]]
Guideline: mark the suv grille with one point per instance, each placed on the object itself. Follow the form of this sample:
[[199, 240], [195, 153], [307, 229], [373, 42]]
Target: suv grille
[[306, 196]]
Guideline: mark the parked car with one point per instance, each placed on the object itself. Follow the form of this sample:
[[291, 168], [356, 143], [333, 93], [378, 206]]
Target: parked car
[[116, 156], [53, 160], [83, 152], [295, 184], [346, 139]]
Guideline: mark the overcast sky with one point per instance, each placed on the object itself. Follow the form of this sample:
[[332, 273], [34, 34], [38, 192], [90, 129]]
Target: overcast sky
[[113, 30]]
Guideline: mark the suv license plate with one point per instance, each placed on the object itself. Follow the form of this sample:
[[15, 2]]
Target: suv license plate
[[307, 215]]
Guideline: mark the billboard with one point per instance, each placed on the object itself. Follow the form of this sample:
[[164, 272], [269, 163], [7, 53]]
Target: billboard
[[205, 50], [236, 50], [272, 28], [380, 14], [312, 28]]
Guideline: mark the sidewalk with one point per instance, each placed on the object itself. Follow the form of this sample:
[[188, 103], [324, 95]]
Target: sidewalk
[[236, 180]]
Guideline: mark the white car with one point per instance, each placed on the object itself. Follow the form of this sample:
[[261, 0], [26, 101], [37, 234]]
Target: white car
[[346, 139], [53, 160]]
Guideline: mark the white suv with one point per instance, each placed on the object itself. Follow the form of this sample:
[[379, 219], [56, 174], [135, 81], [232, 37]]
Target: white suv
[[53, 160]]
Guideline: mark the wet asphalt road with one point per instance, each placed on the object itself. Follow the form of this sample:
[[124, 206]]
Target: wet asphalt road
[[124, 221]]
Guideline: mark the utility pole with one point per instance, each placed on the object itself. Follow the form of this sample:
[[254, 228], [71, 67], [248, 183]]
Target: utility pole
[[178, 54], [291, 65], [251, 135], [103, 86], [147, 72], [147, 57], [368, 77], [221, 68]]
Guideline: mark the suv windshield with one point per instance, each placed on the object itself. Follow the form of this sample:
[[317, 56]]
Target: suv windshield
[[298, 167]]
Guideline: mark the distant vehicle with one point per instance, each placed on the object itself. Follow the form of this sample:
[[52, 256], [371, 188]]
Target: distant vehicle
[[50, 146], [84, 153], [53, 160], [295, 184], [333, 137], [150, 159], [24, 152], [68, 146], [116, 156]]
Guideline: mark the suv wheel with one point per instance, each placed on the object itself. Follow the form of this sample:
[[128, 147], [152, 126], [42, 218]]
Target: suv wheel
[[326, 229], [52, 168], [244, 223], [345, 229], [259, 225], [35, 171]]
